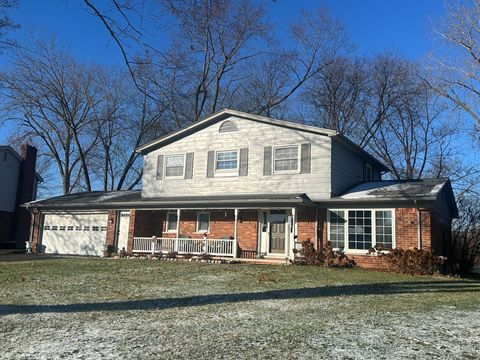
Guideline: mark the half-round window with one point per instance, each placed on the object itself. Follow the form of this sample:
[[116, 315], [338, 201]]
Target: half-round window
[[228, 126]]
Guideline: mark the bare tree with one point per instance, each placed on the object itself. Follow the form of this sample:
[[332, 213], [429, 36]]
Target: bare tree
[[51, 99], [455, 70], [466, 237], [6, 23]]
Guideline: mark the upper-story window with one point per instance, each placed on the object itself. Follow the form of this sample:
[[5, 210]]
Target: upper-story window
[[174, 166], [286, 159], [226, 160], [368, 172]]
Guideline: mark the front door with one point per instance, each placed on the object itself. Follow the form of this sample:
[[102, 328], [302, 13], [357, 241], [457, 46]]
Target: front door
[[122, 235], [277, 232]]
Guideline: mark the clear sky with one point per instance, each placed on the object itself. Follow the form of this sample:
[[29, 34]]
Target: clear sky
[[374, 25]]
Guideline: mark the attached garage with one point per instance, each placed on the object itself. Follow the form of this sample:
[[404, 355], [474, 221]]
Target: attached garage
[[74, 233]]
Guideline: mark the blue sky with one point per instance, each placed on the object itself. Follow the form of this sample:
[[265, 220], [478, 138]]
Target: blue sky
[[374, 25]]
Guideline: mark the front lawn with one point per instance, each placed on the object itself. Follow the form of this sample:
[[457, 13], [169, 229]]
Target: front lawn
[[104, 308]]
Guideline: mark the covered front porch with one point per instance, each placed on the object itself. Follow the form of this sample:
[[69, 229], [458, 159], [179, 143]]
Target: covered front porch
[[244, 233]]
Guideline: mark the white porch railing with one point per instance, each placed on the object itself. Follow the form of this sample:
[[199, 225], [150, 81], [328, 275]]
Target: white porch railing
[[217, 247]]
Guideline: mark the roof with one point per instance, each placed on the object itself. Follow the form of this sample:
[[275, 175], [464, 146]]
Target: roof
[[132, 199], [225, 113], [422, 190]]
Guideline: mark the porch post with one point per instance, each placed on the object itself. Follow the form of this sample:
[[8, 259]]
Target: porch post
[[178, 230], [293, 232], [235, 243]]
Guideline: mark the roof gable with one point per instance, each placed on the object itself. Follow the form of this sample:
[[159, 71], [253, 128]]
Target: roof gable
[[222, 115]]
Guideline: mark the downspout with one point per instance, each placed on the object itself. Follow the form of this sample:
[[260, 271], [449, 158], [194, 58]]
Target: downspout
[[419, 227]]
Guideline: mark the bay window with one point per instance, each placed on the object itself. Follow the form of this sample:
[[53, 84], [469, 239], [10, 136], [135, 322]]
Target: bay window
[[360, 229]]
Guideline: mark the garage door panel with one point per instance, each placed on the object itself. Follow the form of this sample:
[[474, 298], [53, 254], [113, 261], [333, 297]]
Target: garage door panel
[[74, 234]]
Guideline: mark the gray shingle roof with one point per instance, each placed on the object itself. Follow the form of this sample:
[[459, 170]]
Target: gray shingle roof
[[132, 199]]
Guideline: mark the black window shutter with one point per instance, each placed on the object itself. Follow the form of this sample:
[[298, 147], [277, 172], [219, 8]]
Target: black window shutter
[[243, 162], [189, 166], [211, 164], [305, 163], [160, 167], [267, 160]]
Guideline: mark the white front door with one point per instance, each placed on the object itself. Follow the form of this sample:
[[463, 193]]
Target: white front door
[[122, 234]]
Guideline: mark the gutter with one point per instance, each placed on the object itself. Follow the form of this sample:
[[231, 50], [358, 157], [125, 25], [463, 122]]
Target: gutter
[[419, 227]]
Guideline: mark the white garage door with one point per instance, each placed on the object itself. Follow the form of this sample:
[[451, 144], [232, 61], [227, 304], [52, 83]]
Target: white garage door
[[74, 233]]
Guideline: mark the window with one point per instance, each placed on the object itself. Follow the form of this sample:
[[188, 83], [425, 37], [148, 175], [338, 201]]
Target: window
[[70, 228], [203, 222], [54, 227], [95, 228], [174, 166], [361, 229], [78, 228], [171, 221], [103, 228], [226, 160], [286, 159], [337, 229], [62, 228], [384, 228], [86, 228], [368, 172], [46, 227]]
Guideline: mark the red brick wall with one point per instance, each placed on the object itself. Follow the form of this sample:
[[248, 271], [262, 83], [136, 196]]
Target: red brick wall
[[148, 223], [36, 231], [306, 224], [111, 226]]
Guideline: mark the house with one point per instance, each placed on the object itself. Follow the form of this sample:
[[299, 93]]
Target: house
[[247, 186], [18, 184]]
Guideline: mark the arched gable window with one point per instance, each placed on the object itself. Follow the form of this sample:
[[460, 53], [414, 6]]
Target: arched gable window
[[228, 126]]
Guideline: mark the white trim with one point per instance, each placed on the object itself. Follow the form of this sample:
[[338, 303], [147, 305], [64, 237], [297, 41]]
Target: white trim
[[165, 166], [373, 225], [196, 225], [167, 223], [227, 172], [296, 171]]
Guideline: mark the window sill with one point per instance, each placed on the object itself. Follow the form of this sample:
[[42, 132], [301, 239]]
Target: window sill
[[226, 174]]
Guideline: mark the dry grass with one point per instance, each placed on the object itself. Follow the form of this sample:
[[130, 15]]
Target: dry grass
[[95, 308]]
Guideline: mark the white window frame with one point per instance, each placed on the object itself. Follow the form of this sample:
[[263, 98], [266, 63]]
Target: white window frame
[[368, 167], [297, 170], [197, 230], [374, 230], [227, 172], [167, 222], [165, 176]]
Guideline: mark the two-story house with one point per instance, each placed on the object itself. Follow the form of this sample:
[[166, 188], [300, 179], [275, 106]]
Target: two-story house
[[18, 184], [247, 186]]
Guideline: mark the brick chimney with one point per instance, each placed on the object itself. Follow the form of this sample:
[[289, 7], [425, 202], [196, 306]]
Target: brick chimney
[[26, 191]]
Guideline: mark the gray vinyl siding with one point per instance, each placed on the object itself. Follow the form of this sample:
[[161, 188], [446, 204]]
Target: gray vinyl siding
[[347, 168], [252, 135]]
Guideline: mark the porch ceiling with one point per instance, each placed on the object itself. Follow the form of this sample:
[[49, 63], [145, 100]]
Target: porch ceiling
[[133, 200]]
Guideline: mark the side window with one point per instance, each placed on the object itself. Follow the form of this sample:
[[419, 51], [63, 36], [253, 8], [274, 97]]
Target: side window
[[171, 221], [226, 161], [286, 159], [174, 166], [203, 222]]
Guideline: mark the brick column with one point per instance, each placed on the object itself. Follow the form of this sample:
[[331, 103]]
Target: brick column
[[111, 227], [131, 231]]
